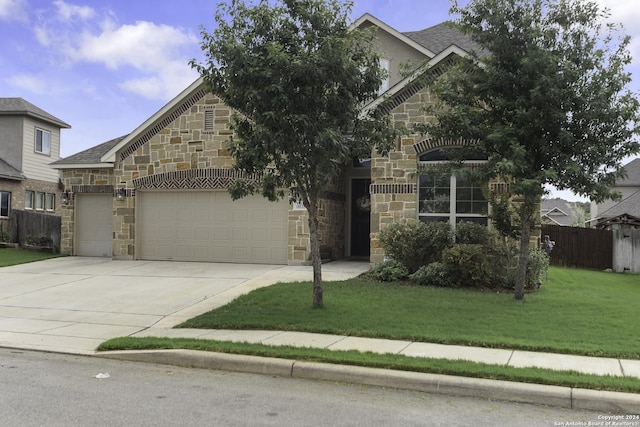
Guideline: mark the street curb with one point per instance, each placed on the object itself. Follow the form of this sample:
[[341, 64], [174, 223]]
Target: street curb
[[567, 397]]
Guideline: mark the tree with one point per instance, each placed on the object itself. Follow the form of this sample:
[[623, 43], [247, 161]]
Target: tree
[[296, 75], [546, 100]]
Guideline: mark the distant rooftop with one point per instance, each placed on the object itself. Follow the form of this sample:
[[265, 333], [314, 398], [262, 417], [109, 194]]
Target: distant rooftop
[[633, 174], [18, 106]]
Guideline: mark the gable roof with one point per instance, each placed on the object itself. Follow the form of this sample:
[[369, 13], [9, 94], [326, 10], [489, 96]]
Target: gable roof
[[559, 211], [20, 107], [368, 18], [125, 145], [9, 172], [629, 206], [159, 120], [440, 36], [632, 170], [88, 158], [410, 85]]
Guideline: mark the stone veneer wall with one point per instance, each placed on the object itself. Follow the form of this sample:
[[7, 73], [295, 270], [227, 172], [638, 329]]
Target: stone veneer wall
[[331, 229], [166, 160], [394, 186], [393, 182], [80, 181]]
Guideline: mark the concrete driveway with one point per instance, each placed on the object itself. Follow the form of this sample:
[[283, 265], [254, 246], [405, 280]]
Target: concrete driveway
[[72, 304]]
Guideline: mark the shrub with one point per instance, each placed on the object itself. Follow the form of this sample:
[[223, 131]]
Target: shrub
[[41, 240], [434, 274], [537, 268], [4, 235], [503, 264], [388, 271], [416, 243], [472, 233], [468, 265]]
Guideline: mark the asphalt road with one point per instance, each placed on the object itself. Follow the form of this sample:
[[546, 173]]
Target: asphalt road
[[39, 389]]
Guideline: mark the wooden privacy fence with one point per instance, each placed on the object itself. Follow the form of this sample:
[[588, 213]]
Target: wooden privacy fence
[[23, 224], [580, 247]]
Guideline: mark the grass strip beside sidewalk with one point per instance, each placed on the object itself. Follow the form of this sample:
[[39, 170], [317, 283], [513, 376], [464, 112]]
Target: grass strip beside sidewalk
[[386, 361]]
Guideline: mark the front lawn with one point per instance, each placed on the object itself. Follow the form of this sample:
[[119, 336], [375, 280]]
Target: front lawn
[[13, 256], [575, 311]]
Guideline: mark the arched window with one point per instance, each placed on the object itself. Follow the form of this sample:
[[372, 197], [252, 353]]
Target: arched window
[[450, 197]]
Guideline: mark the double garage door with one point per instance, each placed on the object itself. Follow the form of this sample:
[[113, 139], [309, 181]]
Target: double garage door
[[210, 226]]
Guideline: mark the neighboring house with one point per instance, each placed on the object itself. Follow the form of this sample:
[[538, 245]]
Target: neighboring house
[[29, 142], [561, 212], [625, 212], [160, 193]]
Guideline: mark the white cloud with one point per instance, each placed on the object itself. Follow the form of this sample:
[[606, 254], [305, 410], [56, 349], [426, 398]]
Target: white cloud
[[144, 45], [28, 82], [67, 11], [145, 58], [13, 10], [155, 51]]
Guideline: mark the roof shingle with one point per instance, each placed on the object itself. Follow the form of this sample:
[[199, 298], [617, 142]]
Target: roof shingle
[[632, 170], [9, 172], [439, 37], [18, 106], [89, 156]]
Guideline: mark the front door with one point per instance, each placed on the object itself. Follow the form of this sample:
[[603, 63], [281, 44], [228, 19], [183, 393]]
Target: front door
[[360, 217]]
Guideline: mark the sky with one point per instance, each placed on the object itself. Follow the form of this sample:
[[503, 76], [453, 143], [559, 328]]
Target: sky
[[106, 66]]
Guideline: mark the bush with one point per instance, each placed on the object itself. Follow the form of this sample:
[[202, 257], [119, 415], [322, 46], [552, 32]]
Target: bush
[[503, 264], [434, 274], [388, 271], [504, 259], [467, 265], [41, 240], [537, 268], [416, 243], [4, 235], [471, 233]]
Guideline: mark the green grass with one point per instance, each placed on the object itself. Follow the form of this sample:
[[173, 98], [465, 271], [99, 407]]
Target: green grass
[[388, 361], [576, 312], [13, 256]]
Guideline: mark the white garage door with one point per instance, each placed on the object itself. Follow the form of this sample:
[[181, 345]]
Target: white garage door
[[94, 229], [210, 226]]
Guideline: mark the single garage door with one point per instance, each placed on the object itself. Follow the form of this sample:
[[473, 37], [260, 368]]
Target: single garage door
[[210, 226], [94, 229]]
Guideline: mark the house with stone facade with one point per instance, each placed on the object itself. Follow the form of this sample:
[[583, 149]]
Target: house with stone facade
[[29, 142], [160, 192]]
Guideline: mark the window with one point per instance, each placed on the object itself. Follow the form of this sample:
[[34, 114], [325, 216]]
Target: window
[[450, 197], [51, 202], [28, 199], [43, 141], [5, 203], [208, 120], [39, 201]]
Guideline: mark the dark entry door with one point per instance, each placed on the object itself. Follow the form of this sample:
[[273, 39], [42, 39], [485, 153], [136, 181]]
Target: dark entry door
[[360, 217]]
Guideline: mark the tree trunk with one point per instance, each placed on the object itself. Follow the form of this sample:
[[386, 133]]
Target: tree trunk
[[521, 278], [316, 261]]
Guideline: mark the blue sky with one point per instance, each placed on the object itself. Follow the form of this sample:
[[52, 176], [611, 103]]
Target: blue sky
[[106, 66]]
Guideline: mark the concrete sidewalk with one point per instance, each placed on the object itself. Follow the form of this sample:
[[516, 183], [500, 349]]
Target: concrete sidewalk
[[503, 357]]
